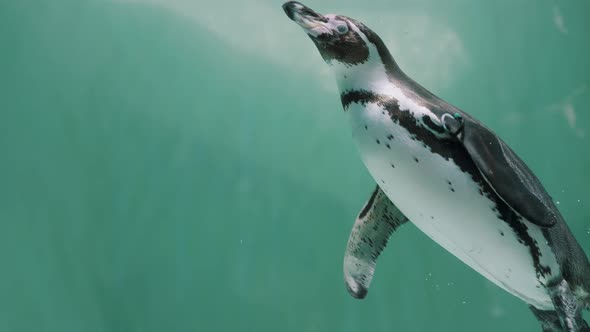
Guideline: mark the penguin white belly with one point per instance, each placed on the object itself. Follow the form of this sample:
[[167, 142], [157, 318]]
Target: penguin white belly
[[445, 203]]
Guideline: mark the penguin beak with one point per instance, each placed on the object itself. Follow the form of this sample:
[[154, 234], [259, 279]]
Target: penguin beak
[[308, 19]]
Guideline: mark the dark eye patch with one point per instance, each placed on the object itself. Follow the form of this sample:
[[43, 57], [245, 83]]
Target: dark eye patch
[[348, 48]]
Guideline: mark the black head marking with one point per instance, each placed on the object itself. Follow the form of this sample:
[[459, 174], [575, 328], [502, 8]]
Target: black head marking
[[348, 48], [386, 58], [336, 37]]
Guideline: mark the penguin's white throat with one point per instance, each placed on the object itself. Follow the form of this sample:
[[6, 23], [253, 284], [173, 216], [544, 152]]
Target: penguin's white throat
[[370, 75]]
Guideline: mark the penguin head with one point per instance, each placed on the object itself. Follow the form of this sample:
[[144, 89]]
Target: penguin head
[[338, 38]]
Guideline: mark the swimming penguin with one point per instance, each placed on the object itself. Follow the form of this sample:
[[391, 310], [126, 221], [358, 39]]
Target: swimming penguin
[[445, 172]]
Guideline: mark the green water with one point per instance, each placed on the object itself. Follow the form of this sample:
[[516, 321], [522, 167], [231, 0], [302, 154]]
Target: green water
[[176, 165]]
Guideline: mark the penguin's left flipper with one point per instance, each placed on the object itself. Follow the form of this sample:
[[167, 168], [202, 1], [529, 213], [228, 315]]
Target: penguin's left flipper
[[508, 175], [378, 219]]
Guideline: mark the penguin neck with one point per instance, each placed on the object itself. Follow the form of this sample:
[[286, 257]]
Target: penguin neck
[[366, 76], [379, 73]]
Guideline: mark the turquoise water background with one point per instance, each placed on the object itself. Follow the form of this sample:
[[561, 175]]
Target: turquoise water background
[[176, 165]]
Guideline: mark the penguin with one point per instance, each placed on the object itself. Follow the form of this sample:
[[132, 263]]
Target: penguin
[[442, 170]]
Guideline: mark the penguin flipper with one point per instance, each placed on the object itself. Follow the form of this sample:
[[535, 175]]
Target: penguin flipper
[[378, 219], [508, 175]]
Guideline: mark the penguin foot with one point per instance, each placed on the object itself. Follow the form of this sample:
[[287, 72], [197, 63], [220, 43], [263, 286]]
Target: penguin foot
[[549, 320], [568, 307]]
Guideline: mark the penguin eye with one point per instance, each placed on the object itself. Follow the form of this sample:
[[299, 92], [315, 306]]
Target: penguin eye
[[342, 29]]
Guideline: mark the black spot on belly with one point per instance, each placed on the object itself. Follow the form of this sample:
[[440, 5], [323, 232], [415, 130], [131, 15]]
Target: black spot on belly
[[450, 185], [392, 166], [388, 146], [390, 137], [365, 127], [453, 151], [416, 160], [378, 142], [501, 233]]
